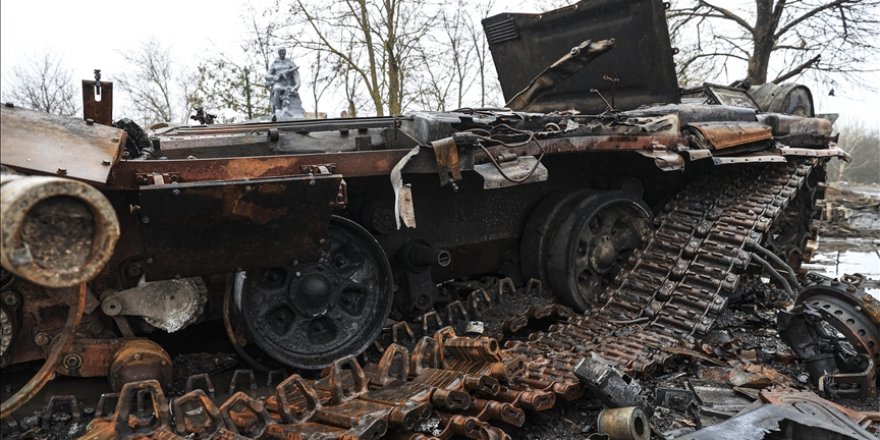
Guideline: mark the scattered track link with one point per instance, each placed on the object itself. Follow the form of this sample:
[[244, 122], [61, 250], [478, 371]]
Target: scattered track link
[[445, 385]]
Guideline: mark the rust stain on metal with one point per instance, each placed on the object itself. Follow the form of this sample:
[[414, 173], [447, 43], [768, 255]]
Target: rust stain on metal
[[721, 135], [43, 143], [60, 346], [367, 163], [235, 205]]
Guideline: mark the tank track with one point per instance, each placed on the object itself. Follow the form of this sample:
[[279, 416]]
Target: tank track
[[680, 279], [670, 292]]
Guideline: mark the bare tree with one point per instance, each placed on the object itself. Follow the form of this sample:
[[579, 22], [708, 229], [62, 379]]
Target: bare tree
[[150, 82], [862, 142], [456, 26], [232, 83], [234, 89], [822, 36], [477, 39], [435, 81], [351, 89], [44, 84], [385, 34], [323, 76]]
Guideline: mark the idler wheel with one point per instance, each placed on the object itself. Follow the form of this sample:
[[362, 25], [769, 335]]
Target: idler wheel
[[307, 315], [849, 314], [591, 244]]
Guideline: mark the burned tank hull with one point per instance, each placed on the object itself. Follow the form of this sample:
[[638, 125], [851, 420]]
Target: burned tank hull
[[488, 190], [309, 234]]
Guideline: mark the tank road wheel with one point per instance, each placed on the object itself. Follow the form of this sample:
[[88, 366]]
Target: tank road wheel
[[540, 229], [310, 314], [591, 245]]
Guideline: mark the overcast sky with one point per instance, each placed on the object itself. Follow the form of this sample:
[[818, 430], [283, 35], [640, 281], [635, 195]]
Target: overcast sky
[[93, 34]]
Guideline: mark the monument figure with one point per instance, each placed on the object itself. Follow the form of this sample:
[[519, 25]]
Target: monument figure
[[283, 82]]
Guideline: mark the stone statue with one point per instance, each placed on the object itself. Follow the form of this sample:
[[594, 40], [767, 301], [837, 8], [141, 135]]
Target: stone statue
[[283, 82]]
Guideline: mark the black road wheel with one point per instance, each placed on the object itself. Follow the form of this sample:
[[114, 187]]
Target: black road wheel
[[309, 314], [540, 229], [591, 244]]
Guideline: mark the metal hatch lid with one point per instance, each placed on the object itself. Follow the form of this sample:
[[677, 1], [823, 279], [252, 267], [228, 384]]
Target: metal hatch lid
[[523, 45]]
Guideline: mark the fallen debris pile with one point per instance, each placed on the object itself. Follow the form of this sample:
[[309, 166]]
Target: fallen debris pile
[[849, 214]]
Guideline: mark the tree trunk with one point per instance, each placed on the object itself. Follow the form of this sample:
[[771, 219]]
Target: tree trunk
[[394, 73], [764, 39], [248, 99], [371, 54]]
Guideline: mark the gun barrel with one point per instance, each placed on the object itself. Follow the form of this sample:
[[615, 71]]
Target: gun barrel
[[54, 231]]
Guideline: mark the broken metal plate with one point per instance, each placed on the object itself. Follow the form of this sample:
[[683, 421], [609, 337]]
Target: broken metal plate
[[718, 402], [39, 142], [526, 169], [523, 45], [801, 420]]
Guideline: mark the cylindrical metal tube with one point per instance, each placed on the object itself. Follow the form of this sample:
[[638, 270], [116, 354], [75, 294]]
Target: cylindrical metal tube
[[56, 232], [627, 423], [419, 255]]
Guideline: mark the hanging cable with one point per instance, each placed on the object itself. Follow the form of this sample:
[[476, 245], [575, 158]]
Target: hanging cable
[[779, 263], [775, 274], [481, 135]]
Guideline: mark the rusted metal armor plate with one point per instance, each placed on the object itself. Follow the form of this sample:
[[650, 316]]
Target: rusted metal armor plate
[[257, 222], [39, 142]]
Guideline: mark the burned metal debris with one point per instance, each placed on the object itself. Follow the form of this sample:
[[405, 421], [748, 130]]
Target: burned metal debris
[[606, 383], [789, 414]]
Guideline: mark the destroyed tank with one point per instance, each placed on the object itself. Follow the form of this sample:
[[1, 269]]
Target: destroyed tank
[[626, 196]]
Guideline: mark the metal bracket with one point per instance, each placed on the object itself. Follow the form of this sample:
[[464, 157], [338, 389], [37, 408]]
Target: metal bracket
[[341, 196], [448, 166], [156, 178], [514, 170], [93, 109], [169, 305], [319, 169]]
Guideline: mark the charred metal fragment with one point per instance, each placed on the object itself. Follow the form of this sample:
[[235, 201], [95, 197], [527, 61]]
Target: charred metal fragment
[[789, 418], [614, 388], [834, 329]]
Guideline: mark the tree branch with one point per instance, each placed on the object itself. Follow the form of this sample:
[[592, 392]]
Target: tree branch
[[788, 26], [793, 72], [729, 15]]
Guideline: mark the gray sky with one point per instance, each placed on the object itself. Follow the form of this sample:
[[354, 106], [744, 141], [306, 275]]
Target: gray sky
[[93, 34]]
